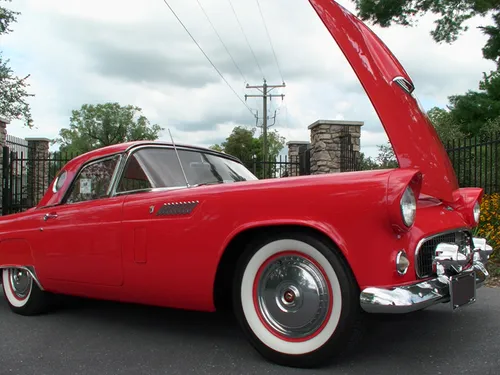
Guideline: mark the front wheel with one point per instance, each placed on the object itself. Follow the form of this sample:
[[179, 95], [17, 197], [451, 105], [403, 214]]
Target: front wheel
[[22, 293], [296, 300]]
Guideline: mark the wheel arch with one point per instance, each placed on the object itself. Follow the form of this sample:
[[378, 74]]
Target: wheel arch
[[234, 248]]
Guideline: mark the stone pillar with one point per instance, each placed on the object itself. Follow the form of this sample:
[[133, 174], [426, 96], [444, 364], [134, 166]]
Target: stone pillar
[[38, 168], [295, 148], [326, 152], [3, 130]]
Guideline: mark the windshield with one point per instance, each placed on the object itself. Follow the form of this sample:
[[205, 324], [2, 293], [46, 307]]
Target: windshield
[[158, 167]]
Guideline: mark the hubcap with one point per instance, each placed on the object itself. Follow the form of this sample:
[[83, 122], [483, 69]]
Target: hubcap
[[292, 296], [20, 281]]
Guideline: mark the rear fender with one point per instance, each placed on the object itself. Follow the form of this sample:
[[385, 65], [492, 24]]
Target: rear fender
[[15, 251]]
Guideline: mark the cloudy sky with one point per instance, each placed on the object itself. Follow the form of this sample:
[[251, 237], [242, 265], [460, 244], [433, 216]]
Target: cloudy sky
[[136, 52]]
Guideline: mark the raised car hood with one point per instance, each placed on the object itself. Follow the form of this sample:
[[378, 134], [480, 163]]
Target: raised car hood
[[413, 138]]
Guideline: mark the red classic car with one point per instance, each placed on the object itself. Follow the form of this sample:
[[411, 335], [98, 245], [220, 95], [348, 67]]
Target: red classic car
[[300, 259]]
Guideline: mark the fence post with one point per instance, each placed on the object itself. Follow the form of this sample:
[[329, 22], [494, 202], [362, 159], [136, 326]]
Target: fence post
[[5, 180], [38, 167], [295, 150], [3, 135]]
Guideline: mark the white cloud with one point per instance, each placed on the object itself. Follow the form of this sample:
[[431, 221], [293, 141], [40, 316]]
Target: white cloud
[[137, 53]]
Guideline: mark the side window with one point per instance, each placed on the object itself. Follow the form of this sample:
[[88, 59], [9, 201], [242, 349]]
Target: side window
[[133, 177], [94, 181]]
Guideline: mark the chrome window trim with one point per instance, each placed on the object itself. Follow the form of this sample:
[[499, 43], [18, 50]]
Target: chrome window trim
[[425, 239], [150, 190], [183, 147], [87, 164], [54, 186], [131, 150]]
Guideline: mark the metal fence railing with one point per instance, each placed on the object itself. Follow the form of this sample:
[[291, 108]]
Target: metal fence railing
[[476, 162]]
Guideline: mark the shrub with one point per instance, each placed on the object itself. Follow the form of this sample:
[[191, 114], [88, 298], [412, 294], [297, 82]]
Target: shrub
[[489, 223]]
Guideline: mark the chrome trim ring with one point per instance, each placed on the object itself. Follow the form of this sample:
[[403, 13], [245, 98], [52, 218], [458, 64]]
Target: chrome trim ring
[[292, 296], [20, 282]]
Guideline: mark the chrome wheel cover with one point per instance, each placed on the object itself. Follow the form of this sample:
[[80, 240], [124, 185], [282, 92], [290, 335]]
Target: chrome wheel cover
[[292, 296], [20, 282]]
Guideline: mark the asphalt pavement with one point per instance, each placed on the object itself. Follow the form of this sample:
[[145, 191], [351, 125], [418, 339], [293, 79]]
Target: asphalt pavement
[[95, 337]]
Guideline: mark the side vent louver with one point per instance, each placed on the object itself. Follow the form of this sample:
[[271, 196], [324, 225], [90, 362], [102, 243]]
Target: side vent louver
[[177, 208]]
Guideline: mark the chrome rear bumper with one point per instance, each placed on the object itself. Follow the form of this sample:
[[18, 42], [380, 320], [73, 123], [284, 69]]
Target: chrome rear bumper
[[422, 294]]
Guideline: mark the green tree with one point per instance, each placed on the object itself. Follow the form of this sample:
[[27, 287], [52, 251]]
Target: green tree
[[243, 144], [100, 125], [470, 114], [446, 126], [386, 158], [451, 17], [13, 90], [366, 163]]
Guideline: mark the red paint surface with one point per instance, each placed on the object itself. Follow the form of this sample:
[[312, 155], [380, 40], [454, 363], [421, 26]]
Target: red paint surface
[[413, 138], [114, 249]]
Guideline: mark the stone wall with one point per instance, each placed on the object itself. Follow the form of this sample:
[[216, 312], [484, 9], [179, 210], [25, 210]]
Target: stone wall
[[3, 130], [327, 153], [295, 149], [326, 143]]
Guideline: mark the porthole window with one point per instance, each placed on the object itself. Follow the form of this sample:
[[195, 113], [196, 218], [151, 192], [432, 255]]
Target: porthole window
[[59, 181]]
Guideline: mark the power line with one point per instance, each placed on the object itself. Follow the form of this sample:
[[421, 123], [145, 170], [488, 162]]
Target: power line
[[248, 43], [220, 39], [208, 58], [269, 38]]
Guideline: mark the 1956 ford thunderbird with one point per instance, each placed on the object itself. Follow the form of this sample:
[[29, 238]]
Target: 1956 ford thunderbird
[[300, 260]]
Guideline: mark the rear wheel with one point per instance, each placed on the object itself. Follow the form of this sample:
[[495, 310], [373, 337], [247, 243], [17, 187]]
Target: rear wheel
[[296, 300], [22, 293]]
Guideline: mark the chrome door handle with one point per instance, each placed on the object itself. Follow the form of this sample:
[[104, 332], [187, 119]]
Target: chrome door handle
[[49, 216]]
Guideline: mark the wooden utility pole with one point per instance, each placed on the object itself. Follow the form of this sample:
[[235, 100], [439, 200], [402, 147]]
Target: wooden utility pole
[[265, 89]]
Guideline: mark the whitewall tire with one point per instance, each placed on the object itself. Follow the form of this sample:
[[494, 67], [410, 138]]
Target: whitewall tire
[[296, 299], [22, 293]]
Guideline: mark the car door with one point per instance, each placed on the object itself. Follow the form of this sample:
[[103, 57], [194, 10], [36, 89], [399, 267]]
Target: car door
[[81, 239]]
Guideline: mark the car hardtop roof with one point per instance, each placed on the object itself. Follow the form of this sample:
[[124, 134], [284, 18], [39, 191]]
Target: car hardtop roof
[[127, 146]]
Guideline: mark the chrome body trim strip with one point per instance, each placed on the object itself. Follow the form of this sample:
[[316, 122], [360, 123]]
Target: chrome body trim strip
[[30, 269], [422, 294]]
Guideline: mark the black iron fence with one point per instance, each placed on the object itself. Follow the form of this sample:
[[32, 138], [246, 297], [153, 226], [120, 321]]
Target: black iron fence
[[349, 158], [26, 175], [476, 162], [277, 167]]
